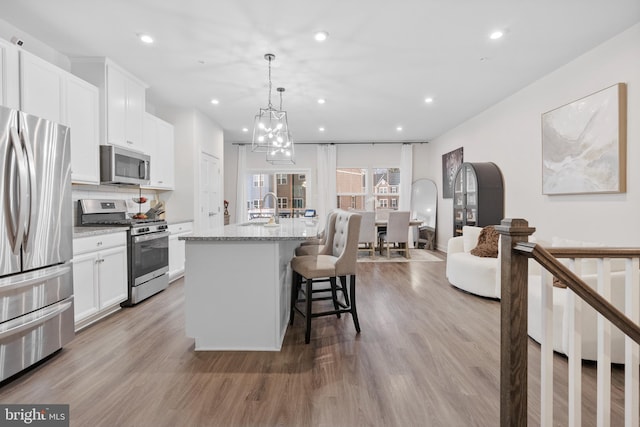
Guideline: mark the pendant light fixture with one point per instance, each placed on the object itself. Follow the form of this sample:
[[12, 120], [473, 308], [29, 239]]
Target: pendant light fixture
[[270, 128], [280, 152]]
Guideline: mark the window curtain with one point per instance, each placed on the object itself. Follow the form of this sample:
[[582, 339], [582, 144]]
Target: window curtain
[[326, 180], [241, 185], [406, 176]]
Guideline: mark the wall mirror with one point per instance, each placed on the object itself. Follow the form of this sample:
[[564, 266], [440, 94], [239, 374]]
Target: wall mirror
[[424, 199]]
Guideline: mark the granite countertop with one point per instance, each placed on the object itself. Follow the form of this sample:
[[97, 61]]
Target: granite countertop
[[178, 221], [96, 231], [288, 229]]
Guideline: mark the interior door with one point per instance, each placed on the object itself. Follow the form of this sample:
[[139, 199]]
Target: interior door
[[210, 211]]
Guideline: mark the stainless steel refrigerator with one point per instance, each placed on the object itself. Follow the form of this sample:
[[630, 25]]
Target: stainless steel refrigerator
[[36, 237]]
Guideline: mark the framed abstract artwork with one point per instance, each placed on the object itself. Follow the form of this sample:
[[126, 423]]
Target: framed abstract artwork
[[451, 161], [584, 144]]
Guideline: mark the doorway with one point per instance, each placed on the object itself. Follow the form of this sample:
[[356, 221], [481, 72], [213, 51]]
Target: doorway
[[210, 213]]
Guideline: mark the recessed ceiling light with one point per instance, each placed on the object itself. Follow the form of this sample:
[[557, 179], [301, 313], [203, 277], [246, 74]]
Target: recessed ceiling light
[[428, 100], [496, 35], [321, 101], [321, 36], [215, 102], [399, 128], [321, 129], [245, 129], [145, 38]]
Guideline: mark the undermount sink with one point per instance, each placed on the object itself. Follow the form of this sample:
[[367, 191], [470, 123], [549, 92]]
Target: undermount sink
[[256, 222]]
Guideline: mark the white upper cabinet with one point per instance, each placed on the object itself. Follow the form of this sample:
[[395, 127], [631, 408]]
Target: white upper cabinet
[[83, 118], [122, 101], [9, 75], [42, 88], [159, 143]]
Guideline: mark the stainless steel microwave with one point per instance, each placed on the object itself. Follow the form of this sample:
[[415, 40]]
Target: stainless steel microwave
[[122, 166]]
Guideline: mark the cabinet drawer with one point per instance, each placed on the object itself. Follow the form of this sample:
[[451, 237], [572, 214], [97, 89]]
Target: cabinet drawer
[[183, 227], [96, 243]]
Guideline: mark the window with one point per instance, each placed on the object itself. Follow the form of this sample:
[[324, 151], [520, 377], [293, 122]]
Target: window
[[258, 180], [351, 185], [354, 191], [290, 190]]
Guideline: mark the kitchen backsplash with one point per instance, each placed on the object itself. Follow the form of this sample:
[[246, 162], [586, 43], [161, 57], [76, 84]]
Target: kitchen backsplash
[[113, 192]]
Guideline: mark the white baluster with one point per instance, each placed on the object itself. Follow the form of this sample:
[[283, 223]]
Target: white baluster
[[631, 360], [604, 348], [546, 350], [574, 311]]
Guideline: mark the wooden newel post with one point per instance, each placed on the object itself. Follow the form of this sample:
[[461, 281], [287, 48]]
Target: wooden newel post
[[513, 323]]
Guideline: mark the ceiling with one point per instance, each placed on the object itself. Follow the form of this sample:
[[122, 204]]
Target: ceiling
[[379, 63]]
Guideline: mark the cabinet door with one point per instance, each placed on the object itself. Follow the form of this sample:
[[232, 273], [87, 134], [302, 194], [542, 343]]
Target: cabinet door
[[113, 276], [176, 257], [134, 114], [9, 75], [116, 107], [158, 143], [85, 285], [42, 88], [83, 116], [166, 154]]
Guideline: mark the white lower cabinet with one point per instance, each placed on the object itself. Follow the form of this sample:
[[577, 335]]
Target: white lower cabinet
[[176, 248], [99, 276]]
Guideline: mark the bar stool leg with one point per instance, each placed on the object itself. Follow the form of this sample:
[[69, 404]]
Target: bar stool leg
[[307, 335], [354, 312], [334, 295], [343, 281], [295, 289]]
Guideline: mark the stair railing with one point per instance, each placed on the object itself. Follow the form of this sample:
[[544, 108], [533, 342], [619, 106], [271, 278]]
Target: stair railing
[[516, 251]]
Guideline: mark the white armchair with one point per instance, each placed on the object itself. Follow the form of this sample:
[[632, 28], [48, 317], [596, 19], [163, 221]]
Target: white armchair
[[477, 275], [589, 317]]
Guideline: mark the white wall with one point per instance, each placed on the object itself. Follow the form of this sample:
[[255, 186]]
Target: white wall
[[194, 133], [509, 134]]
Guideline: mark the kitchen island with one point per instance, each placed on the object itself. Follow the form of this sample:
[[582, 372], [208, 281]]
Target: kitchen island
[[238, 282]]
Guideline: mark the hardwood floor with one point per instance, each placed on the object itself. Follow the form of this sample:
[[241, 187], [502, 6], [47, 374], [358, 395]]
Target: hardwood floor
[[428, 355]]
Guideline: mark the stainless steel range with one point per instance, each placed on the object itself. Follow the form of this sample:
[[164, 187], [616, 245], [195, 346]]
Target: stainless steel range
[[147, 245]]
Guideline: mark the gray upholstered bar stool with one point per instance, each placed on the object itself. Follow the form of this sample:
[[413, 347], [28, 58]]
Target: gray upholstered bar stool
[[339, 262], [306, 248]]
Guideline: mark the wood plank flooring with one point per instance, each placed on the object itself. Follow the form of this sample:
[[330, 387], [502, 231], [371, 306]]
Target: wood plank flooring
[[428, 355]]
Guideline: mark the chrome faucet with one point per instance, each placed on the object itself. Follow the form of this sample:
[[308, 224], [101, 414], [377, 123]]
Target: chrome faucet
[[275, 205]]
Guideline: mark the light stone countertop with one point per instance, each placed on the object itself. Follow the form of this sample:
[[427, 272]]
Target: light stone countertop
[[288, 229], [178, 221], [96, 231]]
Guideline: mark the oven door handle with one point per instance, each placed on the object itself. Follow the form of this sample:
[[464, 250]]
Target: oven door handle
[[151, 236]]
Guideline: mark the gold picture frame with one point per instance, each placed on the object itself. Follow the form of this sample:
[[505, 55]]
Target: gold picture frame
[[584, 144]]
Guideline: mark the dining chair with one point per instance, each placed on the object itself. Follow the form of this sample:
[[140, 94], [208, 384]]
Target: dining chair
[[397, 233], [368, 235], [337, 261]]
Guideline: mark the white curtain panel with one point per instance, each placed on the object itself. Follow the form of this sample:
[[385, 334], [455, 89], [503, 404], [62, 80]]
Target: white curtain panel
[[241, 187], [406, 175], [326, 180]]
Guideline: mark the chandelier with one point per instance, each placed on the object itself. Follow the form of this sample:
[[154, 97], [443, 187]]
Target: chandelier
[[271, 129], [280, 152]]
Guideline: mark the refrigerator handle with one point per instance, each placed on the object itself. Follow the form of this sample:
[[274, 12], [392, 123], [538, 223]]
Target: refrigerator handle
[[28, 235], [33, 322], [16, 239]]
